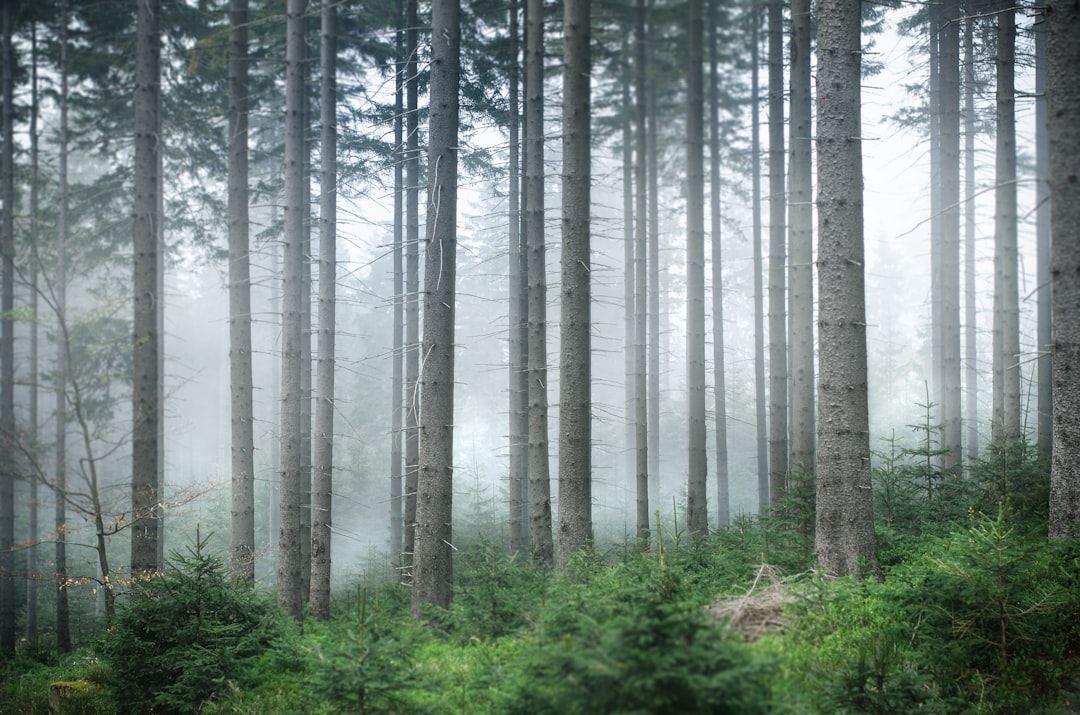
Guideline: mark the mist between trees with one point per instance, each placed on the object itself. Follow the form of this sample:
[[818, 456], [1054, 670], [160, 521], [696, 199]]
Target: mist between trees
[[409, 276]]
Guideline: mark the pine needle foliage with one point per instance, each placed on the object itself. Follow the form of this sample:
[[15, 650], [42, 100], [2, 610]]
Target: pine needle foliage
[[181, 638]]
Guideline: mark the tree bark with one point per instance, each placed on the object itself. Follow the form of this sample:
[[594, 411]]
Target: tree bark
[[412, 283], [397, 405], [32, 576], [7, 342], [971, 371], [778, 375], [697, 522], [539, 466], [1044, 341], [1063, 109], [242, 534], [801, 246], [145, 500], [433, 565], [1006, 291], [641, 429], [845, 509], [629, 342], [575, 378], [723, 496], [322, 486], [761, 405], [290, 580]]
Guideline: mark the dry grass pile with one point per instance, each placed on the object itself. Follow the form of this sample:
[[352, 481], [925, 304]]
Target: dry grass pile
[[760, 610]]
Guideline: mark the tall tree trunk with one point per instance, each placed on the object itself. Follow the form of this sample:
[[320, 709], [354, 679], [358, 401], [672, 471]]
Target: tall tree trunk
[[629, 343], [307, 394], [32, 576], [652, 164], [949, 131], [778, 405], [759, 289], [723, 492], [7, 343], [1006, 293], [290, 580], [539, 469], [323, 476], [519, 453], [697, 522], [145, 500], [801, 246], [971, 371], [412, 282], [63, 613], [397, 527], [1063, 109], [845, 507], [433, 566], [641, 436], [1043, 247], [575, 377], [242, 541]]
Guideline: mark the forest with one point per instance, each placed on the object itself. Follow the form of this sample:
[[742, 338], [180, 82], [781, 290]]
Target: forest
[[539, 356]]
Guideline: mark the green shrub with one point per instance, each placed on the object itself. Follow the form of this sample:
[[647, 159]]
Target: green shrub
[[181, 638], [496, 594]]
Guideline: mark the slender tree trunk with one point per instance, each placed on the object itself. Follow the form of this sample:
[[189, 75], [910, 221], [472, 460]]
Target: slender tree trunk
[[7, 343], [629, 343], [145, 500], [242, 541], [652, 164], [949, 130], [307, 392], [519, 453], [290, 581], [697, 522], [1043, 247], [778, 405], [1006, 292], [539, 470], [323, 480], [32, 576], [397, 527], [723, 497], [641, 436], [971, 371], [575, 378], [433, 566], [412, 282], [1063, 109], [759, 288], [845, 509], [63, 615], [934, 393], [801, 246]]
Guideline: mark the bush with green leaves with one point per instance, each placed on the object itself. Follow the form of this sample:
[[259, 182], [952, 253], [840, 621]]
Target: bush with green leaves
[[181, 638]]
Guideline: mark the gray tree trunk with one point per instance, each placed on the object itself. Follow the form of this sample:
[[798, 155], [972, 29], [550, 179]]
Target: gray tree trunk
[[845, 509], [1044, 293], [412, 282], [1063, 109], [518, 327], [778, 374], [652, 164], [629, 343], [433, 565], [641, 426], [290, 568], [761, 405], [242, 533], [63, 613], [397, 527], [145, 500], [32, 576], [971, 371], [697, 522], [801, 245], [7, 342], [949, 132], [322, 485], [723, 496], [1006, 291], [539, 466], [575, 377]]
